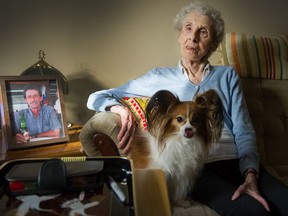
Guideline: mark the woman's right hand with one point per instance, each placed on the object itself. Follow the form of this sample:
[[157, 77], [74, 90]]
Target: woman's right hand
[[128, 127]]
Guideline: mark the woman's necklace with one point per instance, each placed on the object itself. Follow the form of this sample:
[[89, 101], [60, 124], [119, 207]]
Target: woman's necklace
[[195, 77], [194, 70], [194, 73], [198, 69]]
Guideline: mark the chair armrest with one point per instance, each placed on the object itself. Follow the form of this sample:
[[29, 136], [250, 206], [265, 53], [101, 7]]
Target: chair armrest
[[99, 134]]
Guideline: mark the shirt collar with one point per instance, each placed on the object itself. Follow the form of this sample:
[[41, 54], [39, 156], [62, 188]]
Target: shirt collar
[[207, 69], [31, 113]]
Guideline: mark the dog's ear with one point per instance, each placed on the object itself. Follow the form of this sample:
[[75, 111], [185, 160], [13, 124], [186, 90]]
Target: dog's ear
[[211, 101], [159, 104], [161, 100]]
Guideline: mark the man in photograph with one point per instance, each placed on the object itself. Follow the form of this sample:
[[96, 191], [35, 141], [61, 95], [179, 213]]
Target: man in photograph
[[39, 120]]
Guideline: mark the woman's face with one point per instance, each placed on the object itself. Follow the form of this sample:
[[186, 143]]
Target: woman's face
[[196, 37]]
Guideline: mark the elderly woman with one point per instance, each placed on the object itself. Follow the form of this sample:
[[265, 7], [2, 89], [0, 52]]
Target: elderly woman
[[229, 181]]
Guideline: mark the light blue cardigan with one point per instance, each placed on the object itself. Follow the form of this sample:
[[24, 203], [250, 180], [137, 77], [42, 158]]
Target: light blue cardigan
[[223, 79]]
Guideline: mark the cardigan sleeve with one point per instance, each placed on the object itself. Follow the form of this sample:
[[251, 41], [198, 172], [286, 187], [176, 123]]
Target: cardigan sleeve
[[243, 130]]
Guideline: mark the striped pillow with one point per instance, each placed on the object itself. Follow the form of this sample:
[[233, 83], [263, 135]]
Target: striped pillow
[[255, 56]]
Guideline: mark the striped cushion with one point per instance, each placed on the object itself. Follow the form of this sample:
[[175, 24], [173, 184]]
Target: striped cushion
[[255, 56]]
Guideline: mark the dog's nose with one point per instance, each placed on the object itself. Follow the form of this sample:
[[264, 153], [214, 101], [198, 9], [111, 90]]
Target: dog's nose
[[188, 133]]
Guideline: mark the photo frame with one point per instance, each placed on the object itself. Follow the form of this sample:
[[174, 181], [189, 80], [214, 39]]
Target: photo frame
[[46, 126]]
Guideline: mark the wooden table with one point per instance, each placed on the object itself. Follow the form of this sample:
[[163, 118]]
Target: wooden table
[[150, 185], [71, 148]]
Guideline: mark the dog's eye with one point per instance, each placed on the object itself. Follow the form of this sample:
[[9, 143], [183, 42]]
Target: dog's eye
[[179, 119]]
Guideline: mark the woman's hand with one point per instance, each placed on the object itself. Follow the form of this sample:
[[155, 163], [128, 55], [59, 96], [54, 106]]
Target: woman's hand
[[250, 187], [128, 126]]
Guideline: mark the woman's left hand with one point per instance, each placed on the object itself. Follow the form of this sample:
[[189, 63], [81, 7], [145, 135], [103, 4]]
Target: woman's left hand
[[250, 187]]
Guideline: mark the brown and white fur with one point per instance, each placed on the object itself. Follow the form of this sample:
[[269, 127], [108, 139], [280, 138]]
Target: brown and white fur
[[178, 138]]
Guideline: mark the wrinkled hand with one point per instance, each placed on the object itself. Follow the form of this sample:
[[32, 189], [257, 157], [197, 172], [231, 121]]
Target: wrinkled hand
[[250, 187], [128, 126]]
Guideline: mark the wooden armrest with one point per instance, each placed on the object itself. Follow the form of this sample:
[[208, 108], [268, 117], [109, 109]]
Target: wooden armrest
[[105, 145]]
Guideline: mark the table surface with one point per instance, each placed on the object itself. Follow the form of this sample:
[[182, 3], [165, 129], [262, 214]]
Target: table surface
[[71, 148], [150, 185]]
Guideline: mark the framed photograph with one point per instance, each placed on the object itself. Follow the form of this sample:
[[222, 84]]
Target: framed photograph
[[32, 111]]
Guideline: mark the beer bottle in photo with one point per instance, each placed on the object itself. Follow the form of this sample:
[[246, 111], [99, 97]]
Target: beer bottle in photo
[[23, 128]]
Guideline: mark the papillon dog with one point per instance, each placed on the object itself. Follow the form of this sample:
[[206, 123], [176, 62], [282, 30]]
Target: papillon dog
[[178, 139]]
